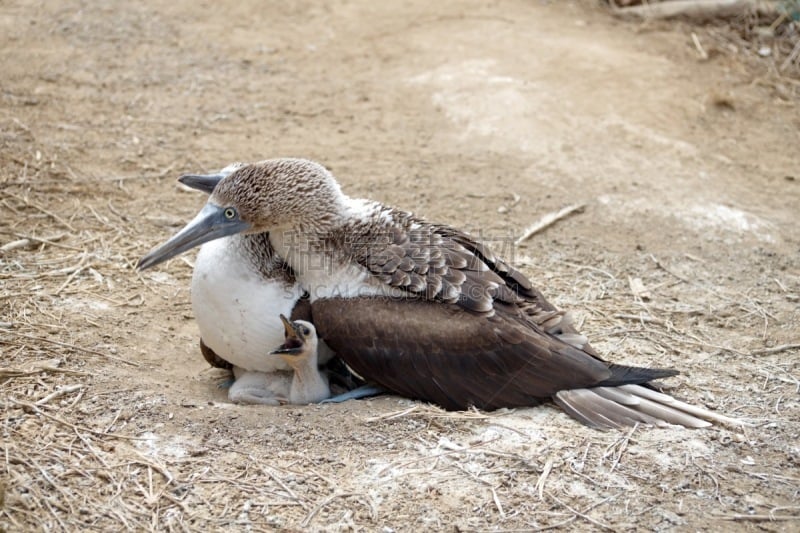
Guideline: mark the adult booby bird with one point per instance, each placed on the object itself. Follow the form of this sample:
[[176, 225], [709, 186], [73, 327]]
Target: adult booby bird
[[422, 309], [299, 350], [239, 288]]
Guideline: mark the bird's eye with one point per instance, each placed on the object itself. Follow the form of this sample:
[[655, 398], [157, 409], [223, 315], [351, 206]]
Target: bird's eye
[[306, 331], [230, 213]]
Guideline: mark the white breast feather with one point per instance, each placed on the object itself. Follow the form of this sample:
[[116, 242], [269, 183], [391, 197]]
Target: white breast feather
[[237, 309]]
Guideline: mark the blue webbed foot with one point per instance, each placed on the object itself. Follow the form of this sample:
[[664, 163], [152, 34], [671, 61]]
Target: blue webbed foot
[[226, 384], [364, 391]]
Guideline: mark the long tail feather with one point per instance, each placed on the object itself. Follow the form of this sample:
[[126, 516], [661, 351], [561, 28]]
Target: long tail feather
[[595, 411], [626, 405], [666, 399]]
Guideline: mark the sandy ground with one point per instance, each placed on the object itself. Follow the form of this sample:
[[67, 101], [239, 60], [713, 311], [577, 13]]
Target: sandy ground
[[484, 115]]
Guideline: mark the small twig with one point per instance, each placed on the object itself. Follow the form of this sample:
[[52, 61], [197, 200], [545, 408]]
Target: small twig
[[283, 485], [792, 56], [547, 221], [548, 466], [50, 508], [431, 411], [60, 391], [13, 245], [144, 176], [711, 476], [452, 451], [497, 503], [641, 318], [621, 444], [390, 416], [593, 269], [6, 372], [152, 463], [91, 449], [776, 349], [755, 517], [50, 242], [307, 520], [81, 268], [778, 21], [122, 216], [700, 50], [638, 288], [582, 515], [668, 271]]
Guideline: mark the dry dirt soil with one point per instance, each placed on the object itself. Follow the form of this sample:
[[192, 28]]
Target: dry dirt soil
[[485, 115]]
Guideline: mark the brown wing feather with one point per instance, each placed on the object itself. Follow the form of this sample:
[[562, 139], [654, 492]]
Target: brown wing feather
[[441, 354], [440, 263], [517, 285], [418, 258], [302, 309]]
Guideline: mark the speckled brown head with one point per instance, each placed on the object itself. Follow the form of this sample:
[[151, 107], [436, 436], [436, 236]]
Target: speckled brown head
[[281, 193], [270, 195]]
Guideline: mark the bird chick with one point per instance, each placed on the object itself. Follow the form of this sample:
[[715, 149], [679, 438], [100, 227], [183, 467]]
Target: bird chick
[[299, 351]]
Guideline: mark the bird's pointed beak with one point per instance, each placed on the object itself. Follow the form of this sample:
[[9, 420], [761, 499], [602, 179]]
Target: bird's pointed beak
[[293, 342], [202, 182], [211, 223]]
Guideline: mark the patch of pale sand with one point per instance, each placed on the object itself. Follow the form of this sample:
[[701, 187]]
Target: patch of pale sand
[[705, 217], [419, 472], [729, 219], [156, 446], [484, 104], [671, 448], [536, 114], [83, 303], [162, 277], [430, 466]]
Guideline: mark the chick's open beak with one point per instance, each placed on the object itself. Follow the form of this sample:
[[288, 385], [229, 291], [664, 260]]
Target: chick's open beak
[[293, 342]]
